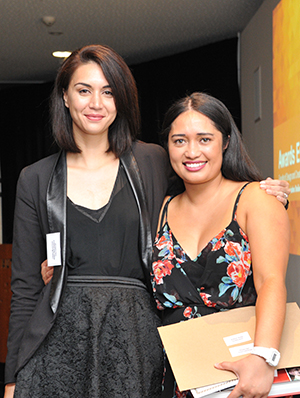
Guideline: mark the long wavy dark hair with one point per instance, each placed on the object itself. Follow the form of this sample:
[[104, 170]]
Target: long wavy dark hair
[[125, 127], [236, 165]]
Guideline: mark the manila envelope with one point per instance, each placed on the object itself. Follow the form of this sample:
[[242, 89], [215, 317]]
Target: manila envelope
[[194, 346]]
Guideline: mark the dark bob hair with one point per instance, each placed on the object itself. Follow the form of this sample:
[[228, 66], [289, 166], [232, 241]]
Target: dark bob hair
[[236, 165], [125, 127]]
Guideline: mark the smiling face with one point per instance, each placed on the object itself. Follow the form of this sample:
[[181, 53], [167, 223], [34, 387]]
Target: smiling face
[[90, 101], [195, 148]]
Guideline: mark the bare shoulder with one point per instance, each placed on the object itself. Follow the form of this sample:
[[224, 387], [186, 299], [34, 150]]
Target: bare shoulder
[[255, 199], [258, 212], [254, 192]]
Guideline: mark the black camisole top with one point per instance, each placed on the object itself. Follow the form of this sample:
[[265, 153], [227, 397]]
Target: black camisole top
[[105, 242]]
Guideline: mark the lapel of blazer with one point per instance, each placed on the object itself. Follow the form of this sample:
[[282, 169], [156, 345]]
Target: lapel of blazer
[[56, 210], [133, 173]]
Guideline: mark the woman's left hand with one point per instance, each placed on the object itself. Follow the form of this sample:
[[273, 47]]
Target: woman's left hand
[[47, 272], [278, 188], [254, 374]]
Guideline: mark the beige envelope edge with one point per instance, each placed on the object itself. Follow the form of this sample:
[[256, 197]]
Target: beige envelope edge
[[194, 346]]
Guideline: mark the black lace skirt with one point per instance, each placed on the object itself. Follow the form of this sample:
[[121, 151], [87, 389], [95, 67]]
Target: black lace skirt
[[104, 343]]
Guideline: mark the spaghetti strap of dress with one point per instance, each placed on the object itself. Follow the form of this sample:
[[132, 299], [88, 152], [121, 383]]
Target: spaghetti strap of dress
[[238, 199], [164, 215]]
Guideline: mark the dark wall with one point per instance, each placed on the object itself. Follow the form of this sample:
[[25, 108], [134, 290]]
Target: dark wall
[[24, 138], [25, 130], [211, 68]]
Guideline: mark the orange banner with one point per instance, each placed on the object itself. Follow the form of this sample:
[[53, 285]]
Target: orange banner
[[286, 106]]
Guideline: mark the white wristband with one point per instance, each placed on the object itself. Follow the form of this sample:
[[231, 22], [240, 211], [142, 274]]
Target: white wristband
[[271, 355]]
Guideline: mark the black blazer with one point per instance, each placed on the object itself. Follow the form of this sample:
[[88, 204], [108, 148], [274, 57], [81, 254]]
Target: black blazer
[[41, 209]]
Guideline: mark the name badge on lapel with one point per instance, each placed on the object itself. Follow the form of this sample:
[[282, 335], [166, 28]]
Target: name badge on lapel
[[53, 249]]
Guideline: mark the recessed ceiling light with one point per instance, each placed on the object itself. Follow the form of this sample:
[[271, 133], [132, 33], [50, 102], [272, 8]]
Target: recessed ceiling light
[[61, 54]]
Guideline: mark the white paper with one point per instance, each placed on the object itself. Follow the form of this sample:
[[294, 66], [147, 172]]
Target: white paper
[[53, 249], [203, 391], [241, 350], [237, 338]]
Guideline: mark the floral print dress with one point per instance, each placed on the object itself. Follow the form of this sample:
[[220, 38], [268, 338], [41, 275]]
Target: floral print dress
[[220, 278]]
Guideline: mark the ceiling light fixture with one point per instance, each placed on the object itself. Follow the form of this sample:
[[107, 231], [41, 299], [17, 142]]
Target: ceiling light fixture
[[61, 54], [48, 20]]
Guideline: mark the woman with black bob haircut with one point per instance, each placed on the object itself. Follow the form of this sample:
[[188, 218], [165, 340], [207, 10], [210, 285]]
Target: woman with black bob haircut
[[125, 128], [237, 165], [91, 331], [221, 243]]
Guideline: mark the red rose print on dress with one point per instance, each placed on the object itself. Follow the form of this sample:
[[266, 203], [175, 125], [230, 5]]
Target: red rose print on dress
[[237, 273], [161, 269]]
